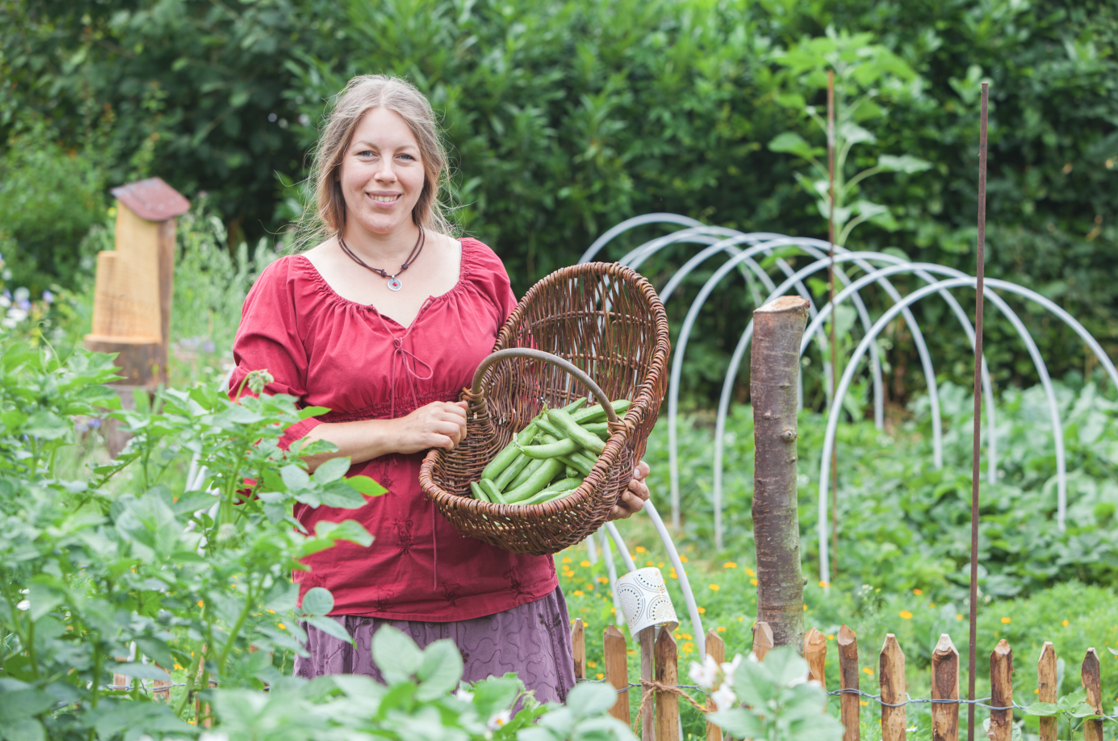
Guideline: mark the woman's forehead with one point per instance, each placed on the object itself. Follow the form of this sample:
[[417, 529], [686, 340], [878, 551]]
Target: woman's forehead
[[382, 128]]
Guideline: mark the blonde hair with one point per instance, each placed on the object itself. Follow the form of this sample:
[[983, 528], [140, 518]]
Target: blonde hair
[[361, 95]]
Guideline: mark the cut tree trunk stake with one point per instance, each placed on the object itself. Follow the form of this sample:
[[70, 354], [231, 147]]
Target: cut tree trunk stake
[[774, 371]]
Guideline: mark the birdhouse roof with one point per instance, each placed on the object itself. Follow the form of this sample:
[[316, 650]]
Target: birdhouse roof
[[152, 199]]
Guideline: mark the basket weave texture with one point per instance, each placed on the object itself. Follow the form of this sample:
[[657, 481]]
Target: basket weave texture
[[608, 321]]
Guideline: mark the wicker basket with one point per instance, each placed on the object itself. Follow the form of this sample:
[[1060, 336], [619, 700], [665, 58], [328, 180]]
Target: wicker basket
[[600, 318]]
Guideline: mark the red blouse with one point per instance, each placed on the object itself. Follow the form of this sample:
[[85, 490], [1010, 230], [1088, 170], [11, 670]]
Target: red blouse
[[332, 352]]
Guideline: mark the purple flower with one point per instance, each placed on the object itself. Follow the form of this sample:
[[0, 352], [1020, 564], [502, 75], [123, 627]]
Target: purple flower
[[48, 297], [208, 346], [23, 305], [7, 294], [94, 423]]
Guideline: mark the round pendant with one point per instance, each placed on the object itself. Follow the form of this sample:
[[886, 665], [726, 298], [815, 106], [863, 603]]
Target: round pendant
[[395, 284]]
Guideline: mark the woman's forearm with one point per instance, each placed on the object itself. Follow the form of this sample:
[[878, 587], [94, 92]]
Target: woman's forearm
[[439, 424], [360, 441]]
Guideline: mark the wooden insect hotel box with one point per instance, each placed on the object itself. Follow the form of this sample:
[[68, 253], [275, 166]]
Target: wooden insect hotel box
[[132, 297]]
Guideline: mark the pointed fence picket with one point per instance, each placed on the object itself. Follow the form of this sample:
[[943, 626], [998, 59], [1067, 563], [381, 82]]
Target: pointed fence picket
[[660, 692]]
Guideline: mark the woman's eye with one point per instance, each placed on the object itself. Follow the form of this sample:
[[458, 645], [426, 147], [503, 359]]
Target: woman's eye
[[407, 156]]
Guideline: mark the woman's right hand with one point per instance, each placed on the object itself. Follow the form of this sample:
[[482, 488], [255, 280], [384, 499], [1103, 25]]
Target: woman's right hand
[[440, 424]]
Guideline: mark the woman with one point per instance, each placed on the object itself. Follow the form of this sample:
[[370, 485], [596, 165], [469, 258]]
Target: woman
[[384, 322]]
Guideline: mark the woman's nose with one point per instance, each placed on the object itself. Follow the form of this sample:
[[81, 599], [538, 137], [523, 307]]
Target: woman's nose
[[385, 171]]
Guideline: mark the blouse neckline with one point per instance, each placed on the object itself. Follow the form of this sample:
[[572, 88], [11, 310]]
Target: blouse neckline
[[465, 270]]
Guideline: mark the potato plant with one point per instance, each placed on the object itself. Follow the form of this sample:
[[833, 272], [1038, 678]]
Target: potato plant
[[123, 569]]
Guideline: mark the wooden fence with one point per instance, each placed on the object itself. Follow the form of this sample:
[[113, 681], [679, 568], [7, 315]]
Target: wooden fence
[[661, 694]]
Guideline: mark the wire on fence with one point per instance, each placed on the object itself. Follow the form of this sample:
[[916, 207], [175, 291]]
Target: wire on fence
[[980, 702]]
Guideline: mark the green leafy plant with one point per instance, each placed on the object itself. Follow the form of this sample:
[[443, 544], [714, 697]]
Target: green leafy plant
[[864, 74], [778, 701]]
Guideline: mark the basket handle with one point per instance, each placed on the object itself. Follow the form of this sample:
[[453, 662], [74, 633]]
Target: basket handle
[[524, 352]]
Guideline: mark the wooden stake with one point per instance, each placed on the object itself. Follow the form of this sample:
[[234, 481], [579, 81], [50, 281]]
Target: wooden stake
[[161, 690], [891, 676], [774, 368], [815, 651], [945, 686], [848, 680], [617, 671], [762, 640], [716, 649], [578, 648], [667, 674], [1048, 691], [1001, 692], [646, 637], [1091, 676]]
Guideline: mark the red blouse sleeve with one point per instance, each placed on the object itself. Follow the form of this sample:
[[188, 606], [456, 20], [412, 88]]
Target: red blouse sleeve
[[494, 282], [269, 339]]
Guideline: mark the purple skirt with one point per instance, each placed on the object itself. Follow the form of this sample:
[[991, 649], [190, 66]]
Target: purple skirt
[[533, 640]]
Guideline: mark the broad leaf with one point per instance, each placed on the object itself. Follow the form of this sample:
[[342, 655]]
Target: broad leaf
[[395, 654], [588, 699], [331, 470], [294, 477], [330, 627], [904, 163], [1042, 709], [140, 671], [318, 601], [793, 143], [440, 670], [366, 486]]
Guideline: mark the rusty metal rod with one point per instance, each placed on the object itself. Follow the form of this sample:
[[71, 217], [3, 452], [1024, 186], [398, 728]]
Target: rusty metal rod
[[834, 314], [981, 273]]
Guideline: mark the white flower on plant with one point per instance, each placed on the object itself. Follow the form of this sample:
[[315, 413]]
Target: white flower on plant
[[798, 680], [724, 697], [464, 694], [705, 674], [730, 667], [497, 720], [23, 605], [815, 683]]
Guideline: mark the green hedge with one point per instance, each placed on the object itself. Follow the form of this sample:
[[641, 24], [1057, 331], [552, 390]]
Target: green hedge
[[568, 117]]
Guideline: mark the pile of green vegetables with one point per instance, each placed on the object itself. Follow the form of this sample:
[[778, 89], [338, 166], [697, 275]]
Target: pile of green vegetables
[[549, 458]]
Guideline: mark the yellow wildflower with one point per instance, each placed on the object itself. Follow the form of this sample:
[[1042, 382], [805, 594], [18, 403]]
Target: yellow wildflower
[[753, 582], [584, 564], [715, 587], [720, 629], [918, 592], [749, 572], [729, 565], [1006, 620], [640, 549], [906, 614]]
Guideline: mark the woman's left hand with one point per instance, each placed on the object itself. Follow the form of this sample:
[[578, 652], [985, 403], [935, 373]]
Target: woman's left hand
[[632, 501]]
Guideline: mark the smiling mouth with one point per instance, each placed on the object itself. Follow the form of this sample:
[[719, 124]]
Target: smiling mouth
[[386, 199]]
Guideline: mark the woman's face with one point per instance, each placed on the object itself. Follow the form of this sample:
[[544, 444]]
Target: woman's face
[[381, 174]]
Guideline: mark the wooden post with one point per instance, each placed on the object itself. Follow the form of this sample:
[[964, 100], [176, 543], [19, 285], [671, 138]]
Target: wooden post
[[815, 651], [617, 671], [667, 674], [848, 680], [762, 640], [1091, 675], [945, 686], [775, 366], [578, 647], [716, 649], [891, 676], [132, 291], [646, 638], [1048, 691], [1001, 692], [161, 690]]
